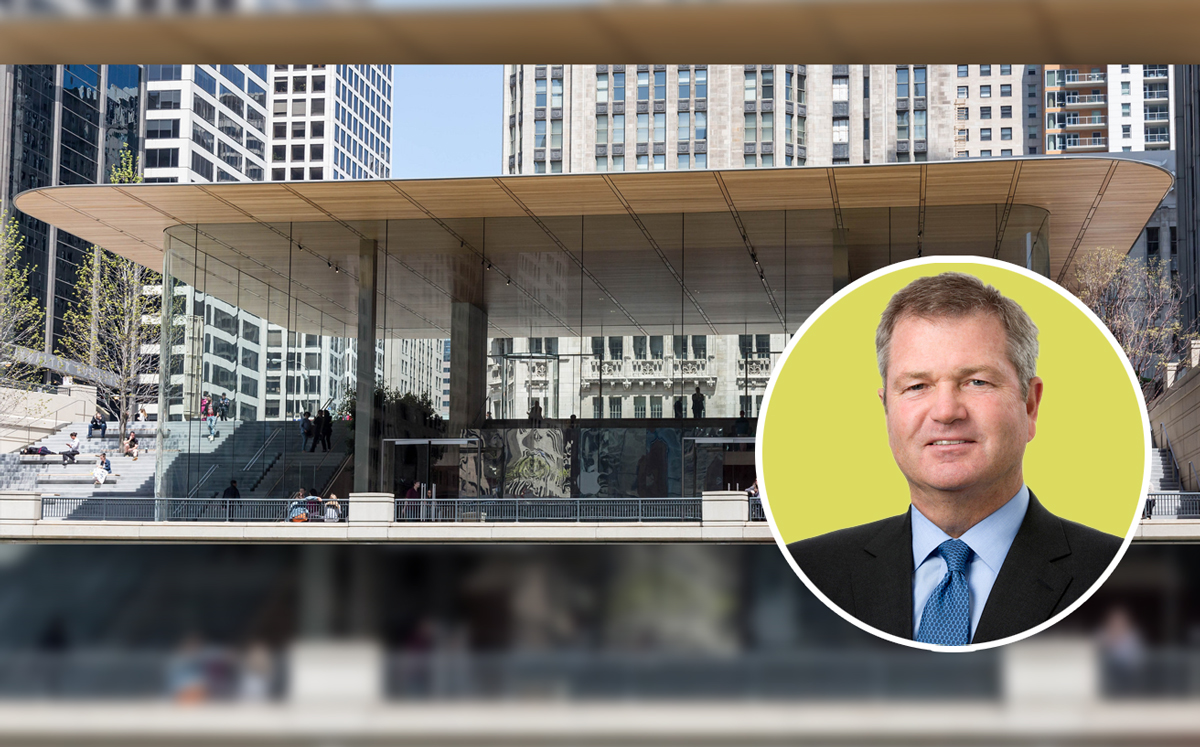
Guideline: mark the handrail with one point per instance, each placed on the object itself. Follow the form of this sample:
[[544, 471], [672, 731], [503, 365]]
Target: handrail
[[1170, 450], [204, 479], [29, 425], [1194, 480], [336, 474], [262, 449]]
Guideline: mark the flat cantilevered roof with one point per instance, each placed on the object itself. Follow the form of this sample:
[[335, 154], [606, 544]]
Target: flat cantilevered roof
[[752, 250]]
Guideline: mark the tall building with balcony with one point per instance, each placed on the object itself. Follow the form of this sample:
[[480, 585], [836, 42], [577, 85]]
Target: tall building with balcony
[[60, 125], [1108, 108]]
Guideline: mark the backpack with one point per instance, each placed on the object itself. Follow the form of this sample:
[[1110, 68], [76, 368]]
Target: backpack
[[298, 511]]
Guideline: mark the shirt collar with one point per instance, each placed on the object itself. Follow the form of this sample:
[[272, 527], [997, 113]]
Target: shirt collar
[[990, 539]]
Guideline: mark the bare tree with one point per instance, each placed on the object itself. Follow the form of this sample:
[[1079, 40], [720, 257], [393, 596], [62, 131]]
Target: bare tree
[[1140, 303], [113, 321]]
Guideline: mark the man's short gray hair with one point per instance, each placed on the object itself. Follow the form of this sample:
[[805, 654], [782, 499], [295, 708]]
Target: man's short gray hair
[[955, 295]]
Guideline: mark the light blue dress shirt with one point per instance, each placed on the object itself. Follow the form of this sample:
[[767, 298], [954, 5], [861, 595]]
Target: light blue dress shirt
[[989, 541]]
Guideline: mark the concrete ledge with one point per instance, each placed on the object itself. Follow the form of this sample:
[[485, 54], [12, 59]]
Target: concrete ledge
[[1168, 530], [73, 478]]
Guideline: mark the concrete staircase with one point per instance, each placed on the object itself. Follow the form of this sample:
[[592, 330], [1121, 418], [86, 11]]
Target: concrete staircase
[[1163, 477], [130, 479]]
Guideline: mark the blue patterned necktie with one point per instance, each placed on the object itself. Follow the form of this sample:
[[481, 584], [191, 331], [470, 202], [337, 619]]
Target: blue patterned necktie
[[946, 620]]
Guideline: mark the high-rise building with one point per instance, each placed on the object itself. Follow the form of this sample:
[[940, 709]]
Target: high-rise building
[[331, 122], [1108, 108], [572, 118], [1187, 128], [62, 124]]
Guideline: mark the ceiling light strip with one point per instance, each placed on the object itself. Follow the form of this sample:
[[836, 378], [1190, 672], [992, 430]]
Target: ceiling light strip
[[762, 278], [1087, 221]]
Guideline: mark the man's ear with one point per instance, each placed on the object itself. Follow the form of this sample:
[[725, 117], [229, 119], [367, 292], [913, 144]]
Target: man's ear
[[883, 398], [1032, 402]]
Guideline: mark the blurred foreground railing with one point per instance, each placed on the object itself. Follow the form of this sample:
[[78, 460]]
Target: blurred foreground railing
[[756, 510], [1155, 673], [182, 509], [548, 509], [1172, 506]]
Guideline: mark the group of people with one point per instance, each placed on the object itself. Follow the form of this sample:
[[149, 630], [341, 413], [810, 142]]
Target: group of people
[[305, 507], [211, 408], [317, 430], [129, 447]]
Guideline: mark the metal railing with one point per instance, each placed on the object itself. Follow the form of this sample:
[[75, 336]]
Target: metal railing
[[1158, 137], [181, 509], [1158, 116], [1154, 71], [756, 510], [1165, 443], [1087, 142], [1172, 506], [1092, 98], [651, 675], [492, 510], [1148, 94], [1085, 78]]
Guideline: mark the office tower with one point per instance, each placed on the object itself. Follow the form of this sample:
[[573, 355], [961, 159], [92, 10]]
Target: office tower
[[1108, 108], [572, 118], [62, 124], [205, 123], [331, 122], [1187, 129]]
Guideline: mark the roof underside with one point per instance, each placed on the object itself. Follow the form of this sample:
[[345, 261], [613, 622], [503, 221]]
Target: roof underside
[[568, 255]]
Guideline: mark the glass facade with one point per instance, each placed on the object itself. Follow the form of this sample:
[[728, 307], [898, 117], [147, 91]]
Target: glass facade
[[670, 324]]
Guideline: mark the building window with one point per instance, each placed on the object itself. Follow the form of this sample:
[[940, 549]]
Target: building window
[[660, 162], [618, 163], [684, 162], [700, 161], [162, 158], [985, 69], [643, 128], [298, 128], [701, 84], [768, 85], [639, 407], [618, 86], [701, 125], [1005, 90], [556, 133], [1126, 132], [660, 128], [901, 126], [598, 407], [985, 154], [841, 130], [841, 88], [601, 163], [1006, 152], [539, 133], [750, 86], [1174, 240], [768, 127], [1125, 90], [602, 129], [919, 125], [901, 82], [750, 128], [643, 86], [162, 128], [643, 163], [614, 407], [962, 92], [618, 133], [750, 160], [601, 88], [556, 92], [1006, 112], [985, 133], [919, 82], [685, 84], [963, 71], [1006, 69], [985, 92], [1006, 133], [684, 131], [1152, 236], [962, 114], [1124, 70], [539, 92], [660, 85], [964, 135], [656, 403], [162, 99], [985, 112]]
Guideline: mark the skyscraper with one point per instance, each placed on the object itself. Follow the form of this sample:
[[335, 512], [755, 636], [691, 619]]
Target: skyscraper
[[62, 124]]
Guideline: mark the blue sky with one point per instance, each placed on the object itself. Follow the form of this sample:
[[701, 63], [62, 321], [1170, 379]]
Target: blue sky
[[447, 120]]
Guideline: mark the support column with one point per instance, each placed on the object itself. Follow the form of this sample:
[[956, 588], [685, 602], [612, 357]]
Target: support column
[[365, 468], [468, 367], [840, 261]]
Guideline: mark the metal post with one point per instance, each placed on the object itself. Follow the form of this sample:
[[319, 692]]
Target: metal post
[[364, 408]]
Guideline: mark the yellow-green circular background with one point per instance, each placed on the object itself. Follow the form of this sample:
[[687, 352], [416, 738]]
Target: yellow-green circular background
[[826, 463]]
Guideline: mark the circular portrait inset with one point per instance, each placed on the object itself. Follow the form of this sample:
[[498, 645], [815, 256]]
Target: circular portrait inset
[[953, 453]]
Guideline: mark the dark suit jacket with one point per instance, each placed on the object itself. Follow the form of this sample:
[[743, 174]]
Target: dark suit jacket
[[868, 570]]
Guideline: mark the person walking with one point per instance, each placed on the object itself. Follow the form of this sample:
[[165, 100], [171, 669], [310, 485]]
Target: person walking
[[327, 430], [697, 404], [306, 430], [679, 408]]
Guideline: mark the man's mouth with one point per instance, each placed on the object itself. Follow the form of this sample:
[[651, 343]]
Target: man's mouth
[[949, 442]]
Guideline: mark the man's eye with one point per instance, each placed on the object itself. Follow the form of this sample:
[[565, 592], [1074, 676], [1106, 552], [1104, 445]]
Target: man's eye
[[915, 387], [978, 382]]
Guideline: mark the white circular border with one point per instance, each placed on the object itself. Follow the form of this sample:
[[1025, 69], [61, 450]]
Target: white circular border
[[943, 260]]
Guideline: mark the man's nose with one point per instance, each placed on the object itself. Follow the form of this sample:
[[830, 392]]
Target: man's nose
[[948, 405]]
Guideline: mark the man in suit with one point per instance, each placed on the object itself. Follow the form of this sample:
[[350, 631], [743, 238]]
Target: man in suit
[[976, 557]]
